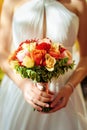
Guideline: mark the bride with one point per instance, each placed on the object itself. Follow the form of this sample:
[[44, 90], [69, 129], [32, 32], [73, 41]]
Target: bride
[[62, 21]]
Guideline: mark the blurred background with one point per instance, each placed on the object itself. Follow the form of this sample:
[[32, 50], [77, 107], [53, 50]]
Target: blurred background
[[76, 48], [1, 73], [1, 1]]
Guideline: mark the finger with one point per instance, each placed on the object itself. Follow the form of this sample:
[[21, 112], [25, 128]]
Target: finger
[[39, 103], [43, 99], [34, 105], [43, 93], [56, 100], [42, 87], [30, 100], [59, 106], [40, 98]]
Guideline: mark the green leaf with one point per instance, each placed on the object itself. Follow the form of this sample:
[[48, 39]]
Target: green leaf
[[41, 74]]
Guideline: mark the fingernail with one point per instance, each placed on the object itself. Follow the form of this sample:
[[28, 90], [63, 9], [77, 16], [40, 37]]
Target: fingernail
[[47, 105]]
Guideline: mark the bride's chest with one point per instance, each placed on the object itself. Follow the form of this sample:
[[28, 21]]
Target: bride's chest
[[61, 24]]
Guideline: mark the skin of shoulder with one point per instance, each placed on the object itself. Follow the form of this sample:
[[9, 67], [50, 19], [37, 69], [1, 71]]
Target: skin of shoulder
[[80, 5], [5, 24], [9, 4]]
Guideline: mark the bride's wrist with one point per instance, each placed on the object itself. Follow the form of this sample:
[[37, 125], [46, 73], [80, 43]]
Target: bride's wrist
[[25, 82], [20, 82], [71, 86]]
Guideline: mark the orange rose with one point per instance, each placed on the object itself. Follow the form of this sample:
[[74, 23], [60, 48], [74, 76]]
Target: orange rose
[[39, 56]]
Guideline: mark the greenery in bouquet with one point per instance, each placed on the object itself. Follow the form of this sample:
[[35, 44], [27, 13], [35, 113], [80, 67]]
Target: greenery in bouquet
[[41, 60]]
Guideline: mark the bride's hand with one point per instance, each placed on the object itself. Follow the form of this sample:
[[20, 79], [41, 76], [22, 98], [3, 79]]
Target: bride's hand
[[61, 99], [34, 96]]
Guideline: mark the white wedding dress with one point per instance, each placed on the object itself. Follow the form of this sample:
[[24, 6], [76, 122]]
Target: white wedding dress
[[61, 26]]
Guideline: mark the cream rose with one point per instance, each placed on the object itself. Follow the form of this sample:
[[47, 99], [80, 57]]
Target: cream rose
[[29, 47], [50, 62], [28, 62]]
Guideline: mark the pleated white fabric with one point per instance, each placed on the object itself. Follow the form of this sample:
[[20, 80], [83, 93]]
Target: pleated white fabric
[[61, 26]]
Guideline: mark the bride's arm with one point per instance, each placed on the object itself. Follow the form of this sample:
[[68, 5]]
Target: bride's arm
[[5, 36], [81, 70], [25, 85]]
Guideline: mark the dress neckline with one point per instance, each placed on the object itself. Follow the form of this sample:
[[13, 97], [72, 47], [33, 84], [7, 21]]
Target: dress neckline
[[62, 5]]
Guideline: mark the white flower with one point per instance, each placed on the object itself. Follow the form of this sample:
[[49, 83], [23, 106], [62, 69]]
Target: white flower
[[21, 54]]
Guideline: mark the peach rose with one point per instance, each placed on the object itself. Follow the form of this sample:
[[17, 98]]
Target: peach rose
[[67, 54]]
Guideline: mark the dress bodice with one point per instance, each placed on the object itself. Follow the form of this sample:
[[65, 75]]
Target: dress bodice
[[61, 24]]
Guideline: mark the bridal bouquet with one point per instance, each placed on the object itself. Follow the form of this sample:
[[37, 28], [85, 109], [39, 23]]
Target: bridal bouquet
[[41, 60]]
